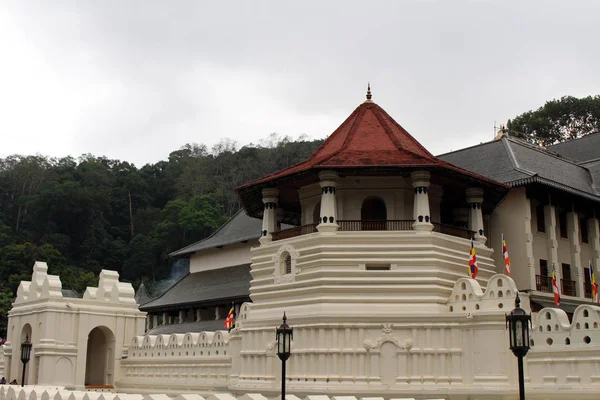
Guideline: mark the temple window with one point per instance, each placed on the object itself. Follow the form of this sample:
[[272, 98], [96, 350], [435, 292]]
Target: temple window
[[286, 263], [373, 214]]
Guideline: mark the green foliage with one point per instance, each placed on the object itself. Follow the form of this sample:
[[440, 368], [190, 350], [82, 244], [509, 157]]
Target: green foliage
[[558, 120], [83, 215]]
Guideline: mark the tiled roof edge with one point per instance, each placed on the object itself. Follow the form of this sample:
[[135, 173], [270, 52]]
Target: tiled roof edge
[[183, 250], [556, 185]]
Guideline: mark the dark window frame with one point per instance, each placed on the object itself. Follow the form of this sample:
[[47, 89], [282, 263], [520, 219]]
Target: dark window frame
[[540, 217]]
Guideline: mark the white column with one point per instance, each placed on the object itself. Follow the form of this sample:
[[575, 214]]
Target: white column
[[198, 317], [594, 239], [165, 318], [328, 221], [421, 214], [217, 316], [475, 198], [180, 317], [269, 224], [154, 321], [576, 267]]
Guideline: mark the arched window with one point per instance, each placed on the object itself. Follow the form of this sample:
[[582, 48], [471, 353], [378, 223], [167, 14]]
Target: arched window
[[286, 266], [373, 214]]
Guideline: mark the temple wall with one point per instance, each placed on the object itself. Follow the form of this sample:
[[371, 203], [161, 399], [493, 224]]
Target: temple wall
[[457, 352], [198, 362], [334, 277], [235, 254]]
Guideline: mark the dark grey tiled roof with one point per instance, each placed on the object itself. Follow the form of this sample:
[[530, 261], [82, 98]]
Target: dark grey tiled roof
[[200, 326], [207, 286], [70, 293], [585, 148], [516, 163], [239, 228], [141, 295]]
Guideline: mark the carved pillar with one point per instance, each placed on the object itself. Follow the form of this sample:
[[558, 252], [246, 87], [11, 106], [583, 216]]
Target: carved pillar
[[576, 267], [328, 221], [594, 239], [421, 214], [269, 222], [475, 198], [550, 215]]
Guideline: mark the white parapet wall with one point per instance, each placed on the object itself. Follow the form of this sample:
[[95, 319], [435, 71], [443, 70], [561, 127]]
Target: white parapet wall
[[176, 363], [8, 392], [565, 356], [457, 350]]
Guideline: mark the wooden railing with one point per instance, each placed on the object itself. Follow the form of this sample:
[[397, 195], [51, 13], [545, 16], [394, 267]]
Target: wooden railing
[[569, 288], [366, 225], [453, 230], [543, 283], [372, 225], [295, 231]]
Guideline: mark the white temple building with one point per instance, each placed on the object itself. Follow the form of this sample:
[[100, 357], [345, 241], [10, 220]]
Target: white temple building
[[372, 274]]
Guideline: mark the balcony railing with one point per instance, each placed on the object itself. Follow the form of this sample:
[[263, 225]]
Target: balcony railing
[[569, 288], [453, 230], [295, 231], [543, 283], [366, 225]]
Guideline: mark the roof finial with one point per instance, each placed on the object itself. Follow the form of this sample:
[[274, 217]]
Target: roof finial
[[369, 91]]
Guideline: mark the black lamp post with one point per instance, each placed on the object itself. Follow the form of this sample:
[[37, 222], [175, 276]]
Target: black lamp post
[[517, 323], [25, 356], [284, 347]]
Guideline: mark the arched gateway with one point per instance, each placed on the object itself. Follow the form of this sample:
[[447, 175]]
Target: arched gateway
[[100, 360]]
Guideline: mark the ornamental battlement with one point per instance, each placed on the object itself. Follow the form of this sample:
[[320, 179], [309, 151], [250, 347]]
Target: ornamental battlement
[[469, 298], [43, 286], [180, 345], [551, 329]]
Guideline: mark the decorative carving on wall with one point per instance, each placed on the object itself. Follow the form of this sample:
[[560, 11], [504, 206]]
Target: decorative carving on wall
[[387, 336], [278, 276]]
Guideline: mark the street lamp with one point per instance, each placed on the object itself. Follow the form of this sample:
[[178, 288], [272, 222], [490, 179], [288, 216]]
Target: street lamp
[[284, 346], [517, 323], [25, 356]]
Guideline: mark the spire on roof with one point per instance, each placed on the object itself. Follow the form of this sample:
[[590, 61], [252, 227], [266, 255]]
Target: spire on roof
[[369, 93]]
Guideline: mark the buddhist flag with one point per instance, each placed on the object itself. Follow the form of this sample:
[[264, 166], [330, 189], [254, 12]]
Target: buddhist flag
[[230, 318], [594, 284], [555, 287], [506, 257], [473, 270]]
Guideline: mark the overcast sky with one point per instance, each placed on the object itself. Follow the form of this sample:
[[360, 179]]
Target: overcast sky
[[135, 80]]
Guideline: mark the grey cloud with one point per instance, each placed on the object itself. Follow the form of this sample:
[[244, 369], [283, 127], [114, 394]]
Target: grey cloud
[[442, 69]]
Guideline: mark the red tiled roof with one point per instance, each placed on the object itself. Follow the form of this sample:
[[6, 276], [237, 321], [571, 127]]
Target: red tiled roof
[[369, 137]]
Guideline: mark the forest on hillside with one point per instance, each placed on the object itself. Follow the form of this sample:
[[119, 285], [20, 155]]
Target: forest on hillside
[[91, 213]]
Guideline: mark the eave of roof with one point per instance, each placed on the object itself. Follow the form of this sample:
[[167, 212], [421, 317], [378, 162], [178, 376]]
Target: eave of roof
[[244, 228], [205, 287]]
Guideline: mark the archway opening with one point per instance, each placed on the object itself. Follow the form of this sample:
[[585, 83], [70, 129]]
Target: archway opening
[[26, 333], [100, 360], [373, 214]]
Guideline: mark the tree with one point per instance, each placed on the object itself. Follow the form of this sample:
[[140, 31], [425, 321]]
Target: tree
[[558, 120]]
